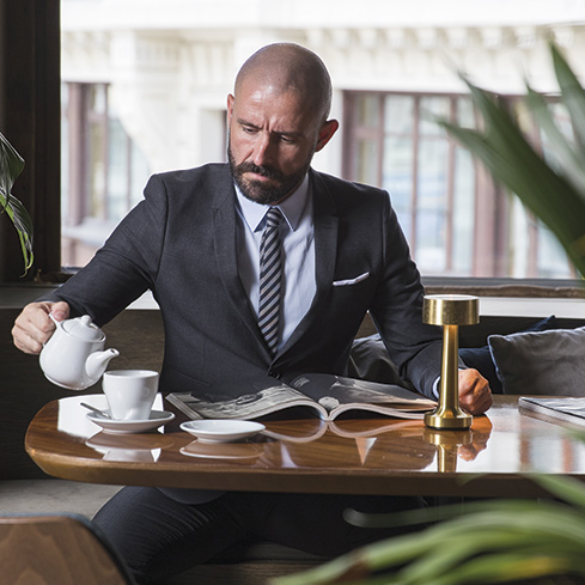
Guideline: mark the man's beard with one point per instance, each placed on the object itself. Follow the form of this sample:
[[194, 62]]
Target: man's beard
[[257, 191]]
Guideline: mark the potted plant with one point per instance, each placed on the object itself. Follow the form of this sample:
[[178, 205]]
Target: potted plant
[[537, 542], [11, 165], [488, 542]]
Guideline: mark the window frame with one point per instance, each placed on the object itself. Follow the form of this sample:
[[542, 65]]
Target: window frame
[[30, 108], [490, 259]]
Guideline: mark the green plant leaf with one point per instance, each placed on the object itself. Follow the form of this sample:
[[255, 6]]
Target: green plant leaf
[[11, 165], [493, 541], [23, 224], [572, 93], [569, 159], [513, 162], [567, 488]]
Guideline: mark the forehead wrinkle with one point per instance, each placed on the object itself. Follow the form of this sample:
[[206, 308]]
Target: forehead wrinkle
[[264, 108]]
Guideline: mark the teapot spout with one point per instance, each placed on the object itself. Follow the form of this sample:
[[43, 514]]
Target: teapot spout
[[97, 363]]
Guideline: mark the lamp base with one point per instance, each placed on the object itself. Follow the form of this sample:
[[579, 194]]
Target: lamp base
[[448, 420]]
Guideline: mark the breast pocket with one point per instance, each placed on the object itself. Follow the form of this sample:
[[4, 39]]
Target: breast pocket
[[352, 281]]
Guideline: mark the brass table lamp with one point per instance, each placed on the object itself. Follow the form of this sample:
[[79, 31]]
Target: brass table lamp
[[450, 311]]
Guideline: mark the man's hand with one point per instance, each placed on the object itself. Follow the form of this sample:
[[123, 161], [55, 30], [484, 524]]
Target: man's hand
[[475, 395], [33, 327]]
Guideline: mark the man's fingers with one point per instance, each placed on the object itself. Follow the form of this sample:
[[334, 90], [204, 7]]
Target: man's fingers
[[60, 310], [33, 327], [475, 395], [25, 342]]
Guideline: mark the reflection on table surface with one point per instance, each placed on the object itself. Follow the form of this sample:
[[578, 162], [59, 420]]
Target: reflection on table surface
[[369, 454]]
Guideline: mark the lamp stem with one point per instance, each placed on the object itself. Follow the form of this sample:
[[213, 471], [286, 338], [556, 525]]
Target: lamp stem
[[448, 414]]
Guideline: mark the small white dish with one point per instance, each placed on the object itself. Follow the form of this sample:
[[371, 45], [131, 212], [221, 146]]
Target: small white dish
[[221, 431], [157, 419]]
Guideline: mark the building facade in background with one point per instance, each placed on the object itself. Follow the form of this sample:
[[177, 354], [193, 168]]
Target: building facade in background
[[145, 85]]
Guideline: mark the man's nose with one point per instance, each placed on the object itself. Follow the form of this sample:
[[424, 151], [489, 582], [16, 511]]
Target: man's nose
[[263, 151]]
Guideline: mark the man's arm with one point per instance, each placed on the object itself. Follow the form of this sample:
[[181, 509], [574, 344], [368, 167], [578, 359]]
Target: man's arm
[[414, 346], [119, 273]]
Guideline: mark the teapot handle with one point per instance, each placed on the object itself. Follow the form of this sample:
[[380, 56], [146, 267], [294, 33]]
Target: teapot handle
[[58, 325]]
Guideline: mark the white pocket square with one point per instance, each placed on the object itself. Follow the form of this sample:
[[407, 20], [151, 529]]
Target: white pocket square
[[351, 281]]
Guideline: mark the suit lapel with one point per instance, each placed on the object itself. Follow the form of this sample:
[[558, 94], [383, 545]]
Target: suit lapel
[[224, 224], [326, 232]]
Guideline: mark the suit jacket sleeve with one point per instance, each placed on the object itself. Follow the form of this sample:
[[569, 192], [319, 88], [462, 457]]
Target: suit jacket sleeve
[[397, 311], [126, 266]]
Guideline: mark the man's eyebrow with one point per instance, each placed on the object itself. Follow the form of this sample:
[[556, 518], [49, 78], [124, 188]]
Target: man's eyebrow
[[290, 134], [243, 122]]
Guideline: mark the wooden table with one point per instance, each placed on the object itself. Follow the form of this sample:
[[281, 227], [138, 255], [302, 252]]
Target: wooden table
[[369, 456]]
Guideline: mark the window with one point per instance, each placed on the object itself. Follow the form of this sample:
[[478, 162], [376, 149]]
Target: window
[[103, 170], [31, 121], [457, 222]]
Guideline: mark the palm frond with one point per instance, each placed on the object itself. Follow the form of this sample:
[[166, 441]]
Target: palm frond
[[567, 157], [572, 93], [554, 193], [488, 542]]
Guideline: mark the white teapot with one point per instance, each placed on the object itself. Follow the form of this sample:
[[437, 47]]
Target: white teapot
[[74, 357]]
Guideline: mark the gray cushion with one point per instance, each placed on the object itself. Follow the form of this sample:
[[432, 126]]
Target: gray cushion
[[544, 363], [481, 359]]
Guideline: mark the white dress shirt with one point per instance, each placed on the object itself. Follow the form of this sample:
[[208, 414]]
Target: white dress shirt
[[298, 244]]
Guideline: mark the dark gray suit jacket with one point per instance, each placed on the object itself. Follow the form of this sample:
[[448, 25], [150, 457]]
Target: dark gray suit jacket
[[180, 242]]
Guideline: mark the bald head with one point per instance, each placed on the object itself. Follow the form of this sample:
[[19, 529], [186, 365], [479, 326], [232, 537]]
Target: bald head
[[286, 67]]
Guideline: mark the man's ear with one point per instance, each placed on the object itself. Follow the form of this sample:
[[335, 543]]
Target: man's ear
[[326, 133], [230, 108]]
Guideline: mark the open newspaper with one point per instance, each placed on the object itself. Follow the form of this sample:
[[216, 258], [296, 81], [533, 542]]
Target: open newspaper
[[326, 395], [566, 409]]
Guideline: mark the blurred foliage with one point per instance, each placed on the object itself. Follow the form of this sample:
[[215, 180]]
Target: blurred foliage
[[551, 186], [486, 542]]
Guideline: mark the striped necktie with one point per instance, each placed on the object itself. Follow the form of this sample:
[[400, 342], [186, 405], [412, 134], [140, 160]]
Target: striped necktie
[[270, 277]]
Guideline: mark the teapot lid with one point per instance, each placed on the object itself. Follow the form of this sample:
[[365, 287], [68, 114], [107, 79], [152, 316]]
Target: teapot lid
[[83, 328]]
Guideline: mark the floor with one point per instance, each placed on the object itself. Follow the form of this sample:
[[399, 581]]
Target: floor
[[49, 496]]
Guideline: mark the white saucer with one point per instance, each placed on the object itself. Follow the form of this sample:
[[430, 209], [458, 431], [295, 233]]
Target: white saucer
[[221, 431], [157, 419]]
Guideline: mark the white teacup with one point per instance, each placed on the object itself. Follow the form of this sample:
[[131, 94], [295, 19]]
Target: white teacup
[[130, 393]]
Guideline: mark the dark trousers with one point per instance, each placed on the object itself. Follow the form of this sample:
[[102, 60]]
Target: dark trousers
[[159, 535]]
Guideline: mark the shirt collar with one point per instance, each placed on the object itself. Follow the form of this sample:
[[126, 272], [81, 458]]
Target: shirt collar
[[291, 208]]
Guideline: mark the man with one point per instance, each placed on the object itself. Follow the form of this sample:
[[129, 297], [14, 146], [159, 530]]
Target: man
[[196, 242]]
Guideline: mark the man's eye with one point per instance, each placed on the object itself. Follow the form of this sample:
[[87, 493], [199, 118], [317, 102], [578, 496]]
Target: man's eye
[[248, 130]]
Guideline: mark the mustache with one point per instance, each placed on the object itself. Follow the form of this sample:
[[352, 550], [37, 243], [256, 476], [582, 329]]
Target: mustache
[[264, 171]]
